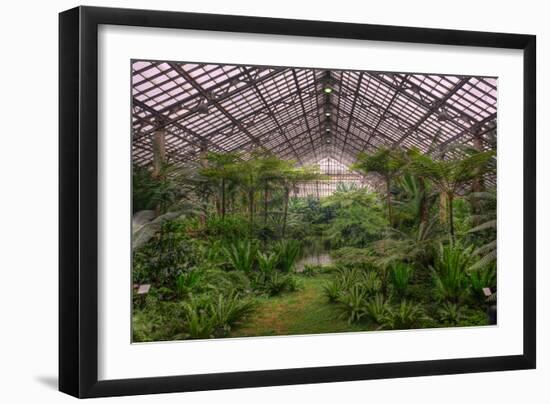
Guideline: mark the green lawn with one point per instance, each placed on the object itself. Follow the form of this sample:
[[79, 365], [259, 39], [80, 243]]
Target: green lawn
[[305, 311]]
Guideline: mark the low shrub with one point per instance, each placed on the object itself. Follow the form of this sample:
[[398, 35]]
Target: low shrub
[[352, 303], [406, 315], [400, 276]]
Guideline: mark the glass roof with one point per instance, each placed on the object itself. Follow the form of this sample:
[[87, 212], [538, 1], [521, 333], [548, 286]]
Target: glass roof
[[305, 114]]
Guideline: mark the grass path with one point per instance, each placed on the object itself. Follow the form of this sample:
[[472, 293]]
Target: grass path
[[305, 311]]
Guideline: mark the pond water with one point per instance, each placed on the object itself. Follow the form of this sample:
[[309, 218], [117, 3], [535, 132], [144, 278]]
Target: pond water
[[314, 254]]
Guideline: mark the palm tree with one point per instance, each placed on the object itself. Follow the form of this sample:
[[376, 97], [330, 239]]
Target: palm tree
[[290, 178], [386, 162], [451, 174], [271, 172], [221, 168]]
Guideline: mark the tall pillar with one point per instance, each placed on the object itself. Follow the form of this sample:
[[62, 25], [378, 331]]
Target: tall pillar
[[159, 151]]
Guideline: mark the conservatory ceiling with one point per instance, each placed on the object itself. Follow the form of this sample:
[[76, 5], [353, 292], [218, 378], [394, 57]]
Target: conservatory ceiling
[[304, 114]]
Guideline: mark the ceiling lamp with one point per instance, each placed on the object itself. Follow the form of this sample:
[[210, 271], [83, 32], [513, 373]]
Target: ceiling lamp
[[202, 108], [443, 115], [327, 83]]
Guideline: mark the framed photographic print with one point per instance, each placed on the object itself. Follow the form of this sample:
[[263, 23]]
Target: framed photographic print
[[251, 201]]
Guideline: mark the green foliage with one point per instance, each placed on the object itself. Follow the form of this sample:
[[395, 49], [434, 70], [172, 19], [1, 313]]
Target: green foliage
[[199, 323], [352, 303], [482, 278], [241, 255], [208, 274], [351, 257], [357, 218], [406, 315], [400, 275], [187, 281], [378, 309], [450, 314], [267, 262], [450, 272], [287, 252], [231, 228], [165, 256], [229, 310], [333, 289], [275, 283]]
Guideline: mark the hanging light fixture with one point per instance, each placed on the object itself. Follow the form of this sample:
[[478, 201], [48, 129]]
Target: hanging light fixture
[[202, 107], [327, 83]]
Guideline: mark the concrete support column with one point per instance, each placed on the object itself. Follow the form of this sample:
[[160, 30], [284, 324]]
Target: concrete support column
[[159, 151]]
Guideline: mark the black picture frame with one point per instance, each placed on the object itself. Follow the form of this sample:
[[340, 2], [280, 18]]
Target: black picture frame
[[78, 201]]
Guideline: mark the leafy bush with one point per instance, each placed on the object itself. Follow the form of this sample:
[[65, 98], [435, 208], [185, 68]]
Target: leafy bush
[[400, 276], [187, 281], [482, 278], [287, 252], [450, 272], [267, 262], [378, 309], [451, 314], [230, 229], [166, 255], [352, 303], [333, 289], [407, 315], [199, 322], [371, 282], [229, 310], [241, 255], [351, 257]]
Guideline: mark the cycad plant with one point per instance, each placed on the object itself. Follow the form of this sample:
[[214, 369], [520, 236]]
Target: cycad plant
[[450, 313], [287, 252], [241, 255], [482, 278], [199, 322], [405, 316], [450, 272], [378, 309], [352, 303], [400, 276], [228, 310], [267, 262]]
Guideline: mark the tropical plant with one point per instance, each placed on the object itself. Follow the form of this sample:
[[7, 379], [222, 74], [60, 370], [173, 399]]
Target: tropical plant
[[378, 309], [287, 253], [267, 262], [413, 245], [333, 289], [352, 303], [187, 281], [290, 177], [451, 313], [228, 310], [405, 316], [400, 276], [448, 175], [199, 322], [221, 168], [241, 255], [386, 162], [450, 272], [481, 278], [487, 223], [371, 282]]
